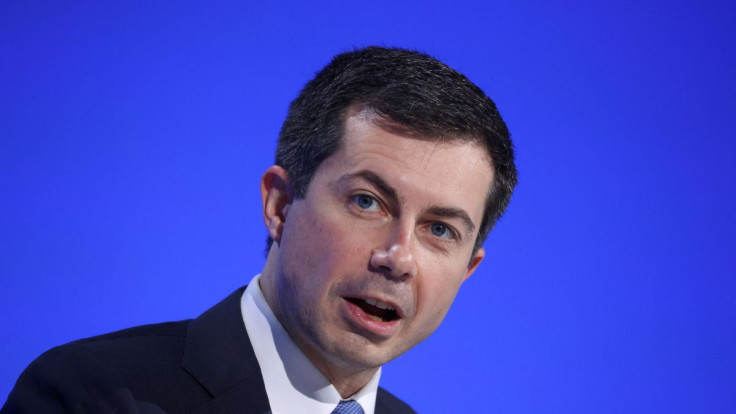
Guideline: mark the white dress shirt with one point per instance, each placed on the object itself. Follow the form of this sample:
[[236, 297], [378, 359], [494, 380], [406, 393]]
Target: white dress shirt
[[293, 383]]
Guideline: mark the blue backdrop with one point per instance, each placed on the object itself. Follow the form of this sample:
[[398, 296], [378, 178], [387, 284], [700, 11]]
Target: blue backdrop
[[133, 137]]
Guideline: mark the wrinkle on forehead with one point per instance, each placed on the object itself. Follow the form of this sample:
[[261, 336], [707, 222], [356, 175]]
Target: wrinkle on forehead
[[370, 117], [422, 158], [360, 120]]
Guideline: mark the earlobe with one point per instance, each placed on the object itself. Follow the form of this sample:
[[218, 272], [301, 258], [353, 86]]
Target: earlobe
[[474, 262], [276, 196]]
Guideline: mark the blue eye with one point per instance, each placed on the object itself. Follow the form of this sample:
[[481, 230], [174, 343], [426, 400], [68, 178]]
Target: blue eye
[[440, 230], [365, 202]]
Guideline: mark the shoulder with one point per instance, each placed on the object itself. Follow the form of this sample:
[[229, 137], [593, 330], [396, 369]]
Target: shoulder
[[166, 367], [145, 339], [119, 347], [127, 351], [387, 403], [90, 374]]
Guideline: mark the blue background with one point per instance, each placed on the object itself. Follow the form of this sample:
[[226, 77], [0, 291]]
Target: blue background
[[133, 137]]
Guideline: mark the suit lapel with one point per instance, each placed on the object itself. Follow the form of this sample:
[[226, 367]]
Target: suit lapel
[[218, 354]]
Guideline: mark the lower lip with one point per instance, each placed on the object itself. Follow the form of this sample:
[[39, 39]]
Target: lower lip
[[368, 325]]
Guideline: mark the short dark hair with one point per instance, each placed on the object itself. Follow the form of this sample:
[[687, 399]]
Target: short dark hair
[[409, 90]]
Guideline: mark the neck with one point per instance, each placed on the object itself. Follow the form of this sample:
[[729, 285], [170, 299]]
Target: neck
[[346, 382], [347, 379]]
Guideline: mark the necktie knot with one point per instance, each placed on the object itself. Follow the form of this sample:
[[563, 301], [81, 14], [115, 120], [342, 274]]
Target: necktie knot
[[348, 407]]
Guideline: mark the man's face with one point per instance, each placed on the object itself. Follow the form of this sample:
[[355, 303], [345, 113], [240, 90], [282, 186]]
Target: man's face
[[370, 260]]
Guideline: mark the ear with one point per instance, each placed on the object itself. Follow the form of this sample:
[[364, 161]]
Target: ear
[[276, 195], [474, 262]]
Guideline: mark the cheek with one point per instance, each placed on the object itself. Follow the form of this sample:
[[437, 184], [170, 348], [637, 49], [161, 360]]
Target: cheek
[[319, 246], [300, 253], [436, 291], [338, 239]]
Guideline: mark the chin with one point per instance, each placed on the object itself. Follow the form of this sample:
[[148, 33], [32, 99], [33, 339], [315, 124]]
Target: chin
[[362, 354]]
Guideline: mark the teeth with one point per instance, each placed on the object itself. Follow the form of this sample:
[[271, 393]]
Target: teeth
[[378, 304]]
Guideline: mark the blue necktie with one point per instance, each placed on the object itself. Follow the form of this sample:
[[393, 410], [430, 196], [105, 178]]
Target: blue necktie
[[348, 407]]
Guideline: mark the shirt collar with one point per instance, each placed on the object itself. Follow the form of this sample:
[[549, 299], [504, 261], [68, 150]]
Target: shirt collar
[[293, 383]]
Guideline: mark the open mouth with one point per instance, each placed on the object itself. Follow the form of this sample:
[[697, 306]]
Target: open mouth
[[375, 309]]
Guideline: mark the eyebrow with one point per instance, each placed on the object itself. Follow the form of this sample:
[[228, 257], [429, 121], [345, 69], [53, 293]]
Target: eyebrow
[[374, 179], [390, 192], [449, 212]]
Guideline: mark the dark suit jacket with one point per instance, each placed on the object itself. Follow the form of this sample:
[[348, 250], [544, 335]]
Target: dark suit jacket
[[204, 365]]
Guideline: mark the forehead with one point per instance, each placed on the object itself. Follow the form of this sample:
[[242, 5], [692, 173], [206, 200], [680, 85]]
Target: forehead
[[453, 173]]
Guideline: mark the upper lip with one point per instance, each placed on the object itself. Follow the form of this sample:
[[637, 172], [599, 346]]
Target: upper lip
[[381, 303]]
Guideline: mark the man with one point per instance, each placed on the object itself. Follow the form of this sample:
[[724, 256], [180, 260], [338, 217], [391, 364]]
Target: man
[[390, 171]]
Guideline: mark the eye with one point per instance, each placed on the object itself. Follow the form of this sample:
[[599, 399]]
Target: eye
[[365, 202], [441, 230]]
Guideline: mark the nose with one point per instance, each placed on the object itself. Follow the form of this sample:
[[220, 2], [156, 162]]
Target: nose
[[396, 258]]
